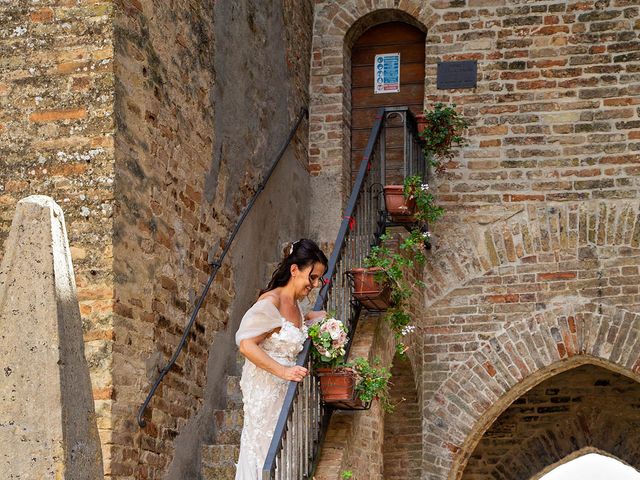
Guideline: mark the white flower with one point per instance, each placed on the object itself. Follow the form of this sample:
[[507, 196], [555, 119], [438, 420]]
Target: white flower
[[334, 327], [424, 187], [407, 329], [426, 235]]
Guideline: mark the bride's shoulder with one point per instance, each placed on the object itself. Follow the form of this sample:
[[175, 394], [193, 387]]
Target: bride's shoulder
[[271, 297]]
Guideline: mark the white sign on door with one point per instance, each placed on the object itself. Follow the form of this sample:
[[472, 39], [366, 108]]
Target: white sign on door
[[386, 73]]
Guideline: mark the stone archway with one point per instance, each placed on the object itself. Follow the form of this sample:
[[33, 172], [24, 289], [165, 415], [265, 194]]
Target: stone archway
[[336, 26], [518, 296], [527, 352], [585, 408]]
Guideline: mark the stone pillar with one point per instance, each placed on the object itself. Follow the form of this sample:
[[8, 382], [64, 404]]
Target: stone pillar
[[47, 420]]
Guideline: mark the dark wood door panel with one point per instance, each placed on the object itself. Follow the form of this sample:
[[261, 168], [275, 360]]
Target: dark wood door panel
[[367, 55], [390, 33], [408, 94], [409, 73], [394, 138], [387, 38]]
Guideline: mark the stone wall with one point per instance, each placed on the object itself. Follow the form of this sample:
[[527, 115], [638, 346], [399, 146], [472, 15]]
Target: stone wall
[[199, 118], [199, 122], [56, 139]]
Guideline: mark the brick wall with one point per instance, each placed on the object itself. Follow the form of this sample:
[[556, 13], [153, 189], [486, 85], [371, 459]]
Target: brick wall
[[555, 114], [56, 139], [541, 204], [586, 407], [402, 446], [199, 121]]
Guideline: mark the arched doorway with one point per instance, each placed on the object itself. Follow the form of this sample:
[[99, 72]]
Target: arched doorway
[[586, 407], [387, 38]]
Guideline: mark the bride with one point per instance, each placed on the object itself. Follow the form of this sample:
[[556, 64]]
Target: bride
[[270, 336]]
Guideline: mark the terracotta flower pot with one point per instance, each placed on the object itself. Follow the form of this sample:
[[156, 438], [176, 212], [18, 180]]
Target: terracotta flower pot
[[337, 385], [421, 121], [371, 294], [399, 208], [338, 388]]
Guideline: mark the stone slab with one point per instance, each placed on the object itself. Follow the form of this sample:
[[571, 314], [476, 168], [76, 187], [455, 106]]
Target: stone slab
[[47, 420]]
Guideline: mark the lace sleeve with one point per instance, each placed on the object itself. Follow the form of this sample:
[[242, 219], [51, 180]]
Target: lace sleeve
[[261, 318]]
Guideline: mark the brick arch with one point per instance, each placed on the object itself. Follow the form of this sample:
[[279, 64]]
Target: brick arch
[[588, 230], [525, 353], [585, 407], [336, 26]]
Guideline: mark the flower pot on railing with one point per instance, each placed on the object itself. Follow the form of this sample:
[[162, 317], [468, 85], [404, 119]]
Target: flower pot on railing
[[371, 292], [338, 388], [399, 208]]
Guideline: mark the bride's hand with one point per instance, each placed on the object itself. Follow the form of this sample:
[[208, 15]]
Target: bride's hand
[[295, 373], [314, 316]]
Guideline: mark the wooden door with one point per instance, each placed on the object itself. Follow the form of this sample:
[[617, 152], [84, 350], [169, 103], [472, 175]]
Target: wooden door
[[392, 37]]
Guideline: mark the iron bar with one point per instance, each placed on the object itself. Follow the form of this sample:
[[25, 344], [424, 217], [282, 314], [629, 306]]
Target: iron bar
[[216, 266], [362, 224]]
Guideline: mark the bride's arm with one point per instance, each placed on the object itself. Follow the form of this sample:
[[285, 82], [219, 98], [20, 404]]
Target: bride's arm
[[251, 350]]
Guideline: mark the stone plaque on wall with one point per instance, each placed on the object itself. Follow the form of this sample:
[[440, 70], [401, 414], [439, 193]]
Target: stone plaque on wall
[[460, 74]]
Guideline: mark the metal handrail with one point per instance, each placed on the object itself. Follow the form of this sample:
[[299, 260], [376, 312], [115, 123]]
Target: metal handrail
[[216, 264], [319, 415]]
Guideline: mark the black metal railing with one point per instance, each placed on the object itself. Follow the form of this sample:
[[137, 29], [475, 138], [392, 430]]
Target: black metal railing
[[303, 420], [215, 266]]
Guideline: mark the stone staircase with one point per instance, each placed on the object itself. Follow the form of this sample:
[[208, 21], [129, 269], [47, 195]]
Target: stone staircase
[[219, 459]]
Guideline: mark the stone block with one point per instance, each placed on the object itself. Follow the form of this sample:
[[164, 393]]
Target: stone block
[[47, 419]]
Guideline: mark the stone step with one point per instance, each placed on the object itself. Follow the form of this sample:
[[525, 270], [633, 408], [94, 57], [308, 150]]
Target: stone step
[[218, 472], [229, 419], [234, 393], [219, 455]]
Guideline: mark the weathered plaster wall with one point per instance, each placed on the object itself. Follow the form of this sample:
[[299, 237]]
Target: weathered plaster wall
[[206, 95], [56, 139]]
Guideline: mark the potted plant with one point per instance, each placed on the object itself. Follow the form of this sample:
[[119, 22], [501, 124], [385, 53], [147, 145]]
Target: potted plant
[[411, 202], [354, 385], [399, 206], [344, 385], [371, 287], [442, 130]]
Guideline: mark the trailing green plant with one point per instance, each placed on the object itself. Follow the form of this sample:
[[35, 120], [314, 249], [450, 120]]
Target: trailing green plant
[[395, 262], [346, 475], [443, 132], [426, 209], [373, 382]]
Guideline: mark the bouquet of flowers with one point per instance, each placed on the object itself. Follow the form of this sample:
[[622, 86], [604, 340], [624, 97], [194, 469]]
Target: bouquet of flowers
[[328, 339]]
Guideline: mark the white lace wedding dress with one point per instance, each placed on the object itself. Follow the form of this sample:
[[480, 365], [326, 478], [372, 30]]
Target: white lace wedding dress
[[263, 393]]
